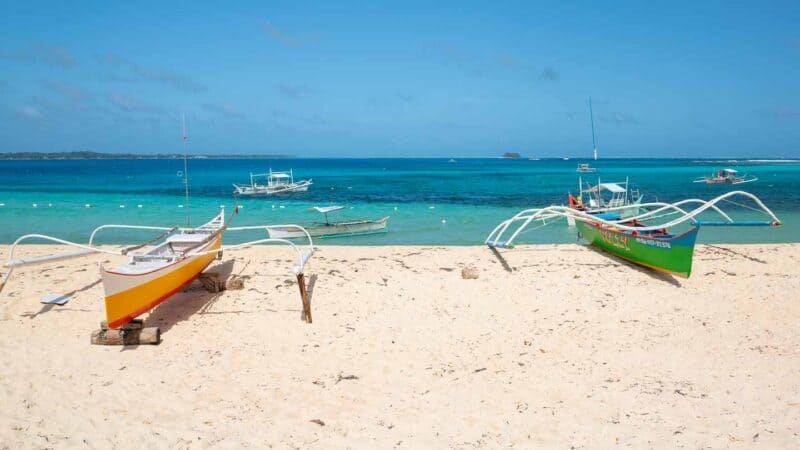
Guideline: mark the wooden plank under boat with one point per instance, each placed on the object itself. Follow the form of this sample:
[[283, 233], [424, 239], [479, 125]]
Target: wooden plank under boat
[[151, 278]]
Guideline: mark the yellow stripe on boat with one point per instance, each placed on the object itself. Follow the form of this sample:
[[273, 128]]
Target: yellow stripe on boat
[[136, 294]]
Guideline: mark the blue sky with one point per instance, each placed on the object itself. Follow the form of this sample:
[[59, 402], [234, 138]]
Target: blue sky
[[694, 79]]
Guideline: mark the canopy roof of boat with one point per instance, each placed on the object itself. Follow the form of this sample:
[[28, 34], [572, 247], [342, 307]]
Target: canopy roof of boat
[[279, 175], [612, 187], [730, 171], [327, 209]]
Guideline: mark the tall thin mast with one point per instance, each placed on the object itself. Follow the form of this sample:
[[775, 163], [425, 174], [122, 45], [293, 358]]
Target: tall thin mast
[[591, 117], [186, 173]]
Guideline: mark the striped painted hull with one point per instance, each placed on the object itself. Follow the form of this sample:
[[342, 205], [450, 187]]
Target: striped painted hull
[[130, 295], [671, 255]]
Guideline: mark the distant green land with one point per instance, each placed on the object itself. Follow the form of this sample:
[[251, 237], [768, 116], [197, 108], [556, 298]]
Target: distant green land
[[97, 155]]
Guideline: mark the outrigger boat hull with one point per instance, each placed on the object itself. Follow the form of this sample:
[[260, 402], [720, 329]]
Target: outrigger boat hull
[[636, 238], [128, 295], [671, 255]]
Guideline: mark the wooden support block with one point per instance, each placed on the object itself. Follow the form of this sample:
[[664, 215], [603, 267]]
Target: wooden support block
[[301, 283], [142, 336], [212, 282]]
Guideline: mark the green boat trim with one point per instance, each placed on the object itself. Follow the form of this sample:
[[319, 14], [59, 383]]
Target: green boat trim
[[671, 254]]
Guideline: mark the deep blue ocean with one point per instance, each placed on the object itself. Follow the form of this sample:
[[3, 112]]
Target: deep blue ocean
[[430, 201]]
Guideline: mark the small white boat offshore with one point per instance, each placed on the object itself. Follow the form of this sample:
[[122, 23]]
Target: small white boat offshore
[[585, 168], [278, 183], [726, 176], [331, 229]]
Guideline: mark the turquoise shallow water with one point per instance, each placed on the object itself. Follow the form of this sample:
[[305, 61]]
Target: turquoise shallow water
[[470, 196]]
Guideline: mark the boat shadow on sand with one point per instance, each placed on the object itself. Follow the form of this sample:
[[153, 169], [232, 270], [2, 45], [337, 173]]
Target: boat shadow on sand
[[616, 261], [656, 275], [61, 308], [194, 299]]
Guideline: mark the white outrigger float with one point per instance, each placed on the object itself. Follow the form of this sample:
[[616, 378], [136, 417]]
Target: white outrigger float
[[278, 183], [649, 244], [153, 276]]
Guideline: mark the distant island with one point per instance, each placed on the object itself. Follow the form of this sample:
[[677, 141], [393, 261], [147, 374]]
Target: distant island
[[511, 155], [97, 155]]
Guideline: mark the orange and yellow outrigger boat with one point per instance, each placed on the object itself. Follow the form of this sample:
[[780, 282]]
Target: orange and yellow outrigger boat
[[153, 276]]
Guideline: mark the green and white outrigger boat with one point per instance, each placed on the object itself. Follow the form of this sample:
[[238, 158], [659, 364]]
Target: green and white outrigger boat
[[650, 244]]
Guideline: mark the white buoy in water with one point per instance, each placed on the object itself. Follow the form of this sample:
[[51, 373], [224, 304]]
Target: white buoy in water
[[180, 206], [49, 205], [395, 208], [2, 204], [121, 206], [282, 207], [273, 206], [431, 207], [444, 221], [35, 205], [87, 205], [138, 206]]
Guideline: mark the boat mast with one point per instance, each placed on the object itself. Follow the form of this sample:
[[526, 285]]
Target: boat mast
[[591, 117], [186, 173]]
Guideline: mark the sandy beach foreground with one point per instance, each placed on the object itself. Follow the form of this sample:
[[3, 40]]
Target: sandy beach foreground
[[552, 346]]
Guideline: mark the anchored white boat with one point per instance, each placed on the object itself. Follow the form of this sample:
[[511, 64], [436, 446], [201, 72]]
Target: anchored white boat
[[278, 183], [331, 229], [726, 176], [585, 168]]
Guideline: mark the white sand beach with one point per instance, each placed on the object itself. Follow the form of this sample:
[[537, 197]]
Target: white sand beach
[[551, 347]]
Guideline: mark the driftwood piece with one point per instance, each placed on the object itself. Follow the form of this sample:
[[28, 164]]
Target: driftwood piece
[[212, 282], [234, 283], [469, 273], [215, 282], [121, 336], [301, 283]]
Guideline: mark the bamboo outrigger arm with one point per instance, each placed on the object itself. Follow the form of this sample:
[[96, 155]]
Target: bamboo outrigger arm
[[12, 263], [522, 219], [303, 255]]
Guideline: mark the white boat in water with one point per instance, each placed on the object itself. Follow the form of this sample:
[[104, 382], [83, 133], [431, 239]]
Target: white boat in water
[[330, 229], [585, 168], [278, 183]]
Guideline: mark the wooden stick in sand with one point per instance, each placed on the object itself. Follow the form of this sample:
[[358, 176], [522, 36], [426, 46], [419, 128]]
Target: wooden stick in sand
[[301, 283]]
